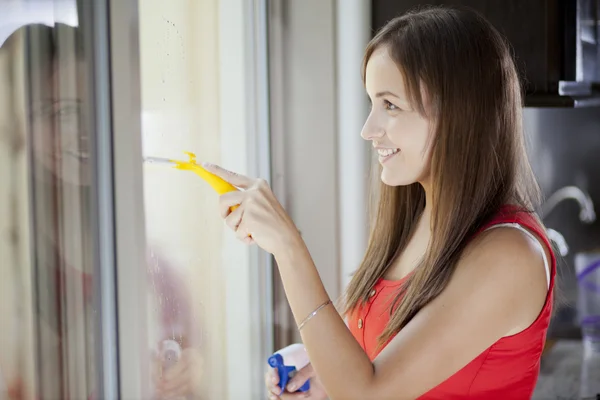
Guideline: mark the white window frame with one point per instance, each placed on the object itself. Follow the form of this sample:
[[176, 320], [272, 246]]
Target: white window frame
[[353, 32], [128, 197], [245, 149]]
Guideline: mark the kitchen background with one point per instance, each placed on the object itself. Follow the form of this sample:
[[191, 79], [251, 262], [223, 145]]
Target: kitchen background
[[270, 88]]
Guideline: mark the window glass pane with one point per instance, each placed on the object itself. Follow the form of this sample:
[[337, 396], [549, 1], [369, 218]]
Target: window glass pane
[[186, 301], [47, 297], [47, 343]]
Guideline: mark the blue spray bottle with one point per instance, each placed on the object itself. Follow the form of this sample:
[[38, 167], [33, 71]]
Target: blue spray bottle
[[288, 361]]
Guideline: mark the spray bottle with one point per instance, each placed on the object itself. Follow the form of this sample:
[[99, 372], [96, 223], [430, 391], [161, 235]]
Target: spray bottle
[[288, 361]]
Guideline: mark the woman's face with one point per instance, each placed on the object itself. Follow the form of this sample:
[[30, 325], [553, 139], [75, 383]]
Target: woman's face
[[60, 137], [399, 134]]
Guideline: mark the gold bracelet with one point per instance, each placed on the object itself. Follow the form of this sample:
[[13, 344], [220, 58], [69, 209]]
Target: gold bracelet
[[312, 314]]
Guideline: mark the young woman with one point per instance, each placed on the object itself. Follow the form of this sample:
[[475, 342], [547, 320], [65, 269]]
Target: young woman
[[454, 295]]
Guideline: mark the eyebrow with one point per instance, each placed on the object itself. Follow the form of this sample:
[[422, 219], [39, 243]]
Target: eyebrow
[[403, 101], [387, 93]]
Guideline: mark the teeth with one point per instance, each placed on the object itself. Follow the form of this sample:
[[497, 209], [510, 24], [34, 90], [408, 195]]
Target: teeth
[[387, 152]]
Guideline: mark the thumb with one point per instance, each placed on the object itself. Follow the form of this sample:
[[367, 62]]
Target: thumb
[[300, 378], [234, 178]]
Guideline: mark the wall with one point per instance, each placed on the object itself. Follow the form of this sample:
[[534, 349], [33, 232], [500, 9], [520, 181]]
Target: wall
[[564, 147], [303, 129]]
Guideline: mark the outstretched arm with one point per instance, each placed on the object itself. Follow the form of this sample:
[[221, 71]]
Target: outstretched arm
[[498, 288]]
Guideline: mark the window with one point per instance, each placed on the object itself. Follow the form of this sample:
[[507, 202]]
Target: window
[[204, 294], [117, 273]]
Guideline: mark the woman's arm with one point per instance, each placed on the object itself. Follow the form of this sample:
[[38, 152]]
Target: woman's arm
[[499, 288]]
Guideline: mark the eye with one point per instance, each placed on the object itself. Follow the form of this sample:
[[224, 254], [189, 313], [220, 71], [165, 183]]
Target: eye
[[389, 106], [67, 111]]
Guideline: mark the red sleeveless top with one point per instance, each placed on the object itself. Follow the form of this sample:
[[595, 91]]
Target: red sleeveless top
[[508, 369]]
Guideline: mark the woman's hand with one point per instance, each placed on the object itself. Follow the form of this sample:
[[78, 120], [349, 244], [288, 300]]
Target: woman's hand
[[316, 391], [260, 218], [182, 379]]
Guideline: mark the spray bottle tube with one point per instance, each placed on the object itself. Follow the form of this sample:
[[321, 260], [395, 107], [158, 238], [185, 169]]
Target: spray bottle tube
[[288, 361]]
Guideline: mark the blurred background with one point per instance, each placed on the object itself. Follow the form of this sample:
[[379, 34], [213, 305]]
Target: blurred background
[[114, 271]]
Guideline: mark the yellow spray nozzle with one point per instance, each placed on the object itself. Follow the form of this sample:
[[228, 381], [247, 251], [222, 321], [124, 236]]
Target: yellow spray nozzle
[[217, 183]]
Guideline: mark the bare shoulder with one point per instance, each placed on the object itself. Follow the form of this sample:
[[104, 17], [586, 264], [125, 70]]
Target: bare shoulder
[[509, 252], [497, 289], [509, 265]]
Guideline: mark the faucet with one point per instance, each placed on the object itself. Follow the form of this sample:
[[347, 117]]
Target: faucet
[[586, 214], [559, 241]]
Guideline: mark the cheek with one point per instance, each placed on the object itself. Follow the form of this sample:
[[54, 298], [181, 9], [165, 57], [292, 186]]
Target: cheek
[[411, 134], [43, 136]]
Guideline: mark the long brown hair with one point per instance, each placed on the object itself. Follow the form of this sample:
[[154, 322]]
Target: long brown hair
[[478, 156]]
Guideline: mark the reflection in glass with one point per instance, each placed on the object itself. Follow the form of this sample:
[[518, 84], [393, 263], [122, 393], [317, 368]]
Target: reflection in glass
[[54, 354], [49, 316]]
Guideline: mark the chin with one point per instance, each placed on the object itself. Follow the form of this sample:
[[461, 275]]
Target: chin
[[396, 179]]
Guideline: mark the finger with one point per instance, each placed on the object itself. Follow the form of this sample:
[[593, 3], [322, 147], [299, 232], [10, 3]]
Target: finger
[[180, 391], [295, 396], [229, 201], [174, 373], [234, 178], [184, 383], [274, 374], [242, 232], [180, 387], [174, 384], [300, 378], [234, 219], [173, 378], [271, 379]]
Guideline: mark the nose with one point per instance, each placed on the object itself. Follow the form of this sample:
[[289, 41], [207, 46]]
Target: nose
[[371, 129]]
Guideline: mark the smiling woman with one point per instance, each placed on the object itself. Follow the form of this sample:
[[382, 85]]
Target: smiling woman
[[454, 294]]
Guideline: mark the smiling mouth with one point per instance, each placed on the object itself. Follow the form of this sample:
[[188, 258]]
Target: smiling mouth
[[386, 154]]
